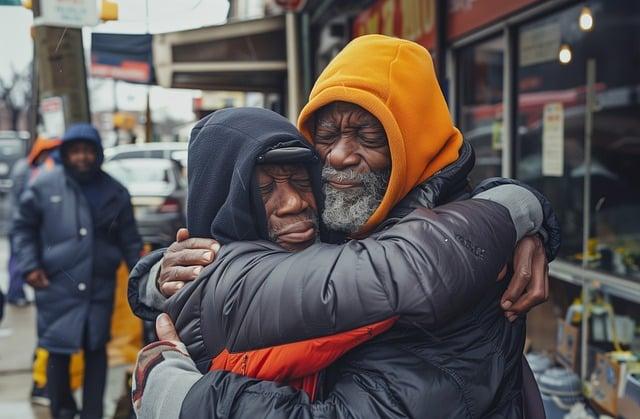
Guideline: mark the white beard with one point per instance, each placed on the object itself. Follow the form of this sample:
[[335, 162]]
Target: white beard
[[349, 209]]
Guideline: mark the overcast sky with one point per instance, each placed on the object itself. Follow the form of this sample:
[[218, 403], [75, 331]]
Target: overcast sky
[[164, 16]]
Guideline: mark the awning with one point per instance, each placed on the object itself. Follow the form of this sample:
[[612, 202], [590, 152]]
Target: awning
[[242, 56]]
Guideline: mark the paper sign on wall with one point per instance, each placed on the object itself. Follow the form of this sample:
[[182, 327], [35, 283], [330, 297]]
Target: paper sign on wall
[[539, 44], [553, 140], [52, 110]]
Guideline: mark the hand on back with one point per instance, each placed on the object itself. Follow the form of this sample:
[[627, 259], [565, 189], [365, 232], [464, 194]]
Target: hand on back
[[183, 261], [529, 284]]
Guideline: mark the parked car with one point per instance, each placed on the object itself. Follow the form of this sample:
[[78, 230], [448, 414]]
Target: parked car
[[176, 151], [13, 146], [158, 194]]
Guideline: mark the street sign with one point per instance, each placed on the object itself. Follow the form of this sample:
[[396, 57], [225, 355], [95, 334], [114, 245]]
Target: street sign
[[291, 5], [10, 2], [68, 13], [52, 111]]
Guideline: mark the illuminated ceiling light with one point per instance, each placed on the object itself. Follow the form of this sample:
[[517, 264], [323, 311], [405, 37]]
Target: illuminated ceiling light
[[564, 55], [586, 19]]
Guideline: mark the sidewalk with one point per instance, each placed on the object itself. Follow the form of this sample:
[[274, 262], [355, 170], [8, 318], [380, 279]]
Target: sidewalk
[[17, 342]]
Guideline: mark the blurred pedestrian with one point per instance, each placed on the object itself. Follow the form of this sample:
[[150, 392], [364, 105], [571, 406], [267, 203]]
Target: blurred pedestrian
[[42, 157], [73, 226], [25, 170]]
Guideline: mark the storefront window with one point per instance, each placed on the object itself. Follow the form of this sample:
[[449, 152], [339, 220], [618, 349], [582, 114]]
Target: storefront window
[[480, 109], [551, 128]]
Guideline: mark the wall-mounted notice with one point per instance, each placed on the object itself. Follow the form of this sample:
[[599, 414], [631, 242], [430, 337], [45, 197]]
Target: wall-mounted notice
[[553, 140]]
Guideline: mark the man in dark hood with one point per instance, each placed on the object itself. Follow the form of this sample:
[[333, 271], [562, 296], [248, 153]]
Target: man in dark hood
[[224, 160], [347, 286], [73, 227]]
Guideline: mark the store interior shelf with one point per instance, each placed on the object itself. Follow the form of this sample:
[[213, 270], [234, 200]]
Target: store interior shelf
[[620, 287]]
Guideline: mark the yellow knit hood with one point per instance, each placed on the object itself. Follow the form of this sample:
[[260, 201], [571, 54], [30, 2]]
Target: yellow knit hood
[[393, 79]]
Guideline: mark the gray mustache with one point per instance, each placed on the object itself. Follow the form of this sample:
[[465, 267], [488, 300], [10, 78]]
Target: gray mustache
[[331, 174]]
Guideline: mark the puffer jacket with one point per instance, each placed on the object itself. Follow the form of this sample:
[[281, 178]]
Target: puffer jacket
[[473, 360], [54, 229]]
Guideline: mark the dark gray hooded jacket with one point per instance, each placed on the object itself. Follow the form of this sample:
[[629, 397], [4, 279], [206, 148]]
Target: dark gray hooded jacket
[[436, 362]]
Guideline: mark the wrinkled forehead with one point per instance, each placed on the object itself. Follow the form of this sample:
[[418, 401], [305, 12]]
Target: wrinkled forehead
[[335, 112], [281, 170]]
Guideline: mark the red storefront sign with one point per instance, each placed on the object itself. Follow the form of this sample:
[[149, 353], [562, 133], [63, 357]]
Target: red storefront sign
[[414, 20], [291, 5], [464, 16]]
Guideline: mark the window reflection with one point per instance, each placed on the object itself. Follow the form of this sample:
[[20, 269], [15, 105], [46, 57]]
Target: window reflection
[[480, 116], [544, 83]]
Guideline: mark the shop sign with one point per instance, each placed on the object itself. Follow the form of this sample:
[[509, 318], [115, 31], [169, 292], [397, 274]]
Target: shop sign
[[408, 19], [464, 16], [553, 140], [290, 5], [122, 57], [52, 111], [68, 13], [539, 45]]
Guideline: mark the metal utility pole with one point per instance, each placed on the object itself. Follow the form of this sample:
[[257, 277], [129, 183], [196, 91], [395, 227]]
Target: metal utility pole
[[148, 124], [586, 205], [293, 67], [61, 70]]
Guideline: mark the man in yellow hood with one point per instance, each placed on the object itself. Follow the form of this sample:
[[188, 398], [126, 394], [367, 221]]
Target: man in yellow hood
[[381, 87], [380, 124]]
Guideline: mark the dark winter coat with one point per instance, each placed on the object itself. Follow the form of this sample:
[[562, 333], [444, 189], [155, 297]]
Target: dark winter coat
[[54, 229], [435, 363]]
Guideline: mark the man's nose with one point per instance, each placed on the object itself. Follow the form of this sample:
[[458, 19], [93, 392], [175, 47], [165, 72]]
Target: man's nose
[[343, 154], [290, 200]]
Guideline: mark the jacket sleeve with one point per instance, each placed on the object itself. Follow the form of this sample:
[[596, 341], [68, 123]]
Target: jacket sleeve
[[129, 240], [167, 385], [138, 282], [424, 269], [27, 218], [550, 229]]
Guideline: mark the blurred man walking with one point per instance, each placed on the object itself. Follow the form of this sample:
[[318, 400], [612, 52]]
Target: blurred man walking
[[73, 226]]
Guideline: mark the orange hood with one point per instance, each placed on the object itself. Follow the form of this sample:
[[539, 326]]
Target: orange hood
[[394, 79], [40, 145]]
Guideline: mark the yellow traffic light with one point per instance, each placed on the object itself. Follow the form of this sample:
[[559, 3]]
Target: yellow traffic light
[[27, 4], [108, 10]]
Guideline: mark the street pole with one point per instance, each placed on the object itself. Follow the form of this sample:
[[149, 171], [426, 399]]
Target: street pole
[[148, 121], [293, 70], [34, 102], [586, 205], [61, 68]]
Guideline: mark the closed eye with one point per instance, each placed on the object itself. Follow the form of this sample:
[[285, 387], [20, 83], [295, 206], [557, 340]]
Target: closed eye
[[325, 138], [304, 184], [266, 188]]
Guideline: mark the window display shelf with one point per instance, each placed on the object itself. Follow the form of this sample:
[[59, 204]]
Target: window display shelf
[[625, 288]]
